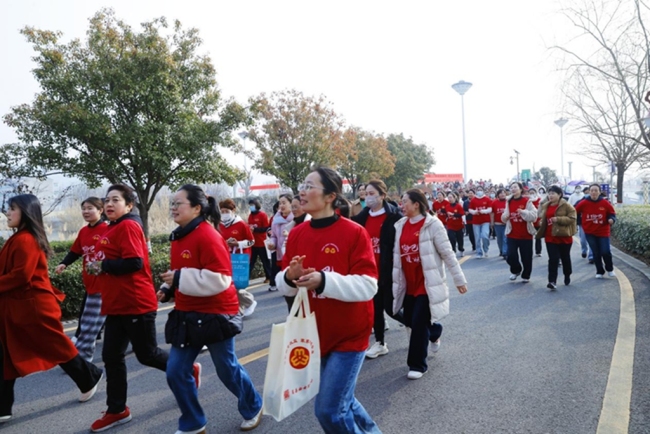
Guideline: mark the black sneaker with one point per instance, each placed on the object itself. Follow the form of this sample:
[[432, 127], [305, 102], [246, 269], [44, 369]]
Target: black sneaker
[[584, 255], [567, 280], [552, 286], [591, 261]]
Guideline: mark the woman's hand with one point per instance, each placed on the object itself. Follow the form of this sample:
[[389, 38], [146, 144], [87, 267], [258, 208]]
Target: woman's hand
[[610, 221], [59, 268], [462, 289], [232, 242], [553, 219], [94, 268], [311, 280], [160, 295], [270, 246], [296, 270], [168, 277]]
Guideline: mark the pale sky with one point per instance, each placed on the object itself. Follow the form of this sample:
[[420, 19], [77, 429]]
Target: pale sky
[[386, 66]]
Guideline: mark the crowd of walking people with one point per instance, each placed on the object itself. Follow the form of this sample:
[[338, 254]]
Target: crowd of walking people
[[360, 260]]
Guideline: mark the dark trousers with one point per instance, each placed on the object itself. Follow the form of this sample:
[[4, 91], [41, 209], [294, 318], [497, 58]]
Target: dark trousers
[[260, 252], [538, 246], [557, 252], [382, 299], [84, 374], [602, 252], [469, 228], [140, 330], [524, 249], [456, 237], [275, 268], [417, 316], [289, 301]]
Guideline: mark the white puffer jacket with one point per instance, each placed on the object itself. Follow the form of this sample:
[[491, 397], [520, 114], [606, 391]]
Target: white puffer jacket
[[435, 253]]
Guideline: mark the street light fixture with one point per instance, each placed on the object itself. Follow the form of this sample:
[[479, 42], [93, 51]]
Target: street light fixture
[[561, 123], [462, 87], [517, 158]]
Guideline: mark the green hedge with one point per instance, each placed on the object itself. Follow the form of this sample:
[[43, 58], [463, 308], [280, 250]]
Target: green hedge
[[70, 283], [632, 229]]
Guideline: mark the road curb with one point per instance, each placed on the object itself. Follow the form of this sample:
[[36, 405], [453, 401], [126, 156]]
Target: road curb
[[640, 266]]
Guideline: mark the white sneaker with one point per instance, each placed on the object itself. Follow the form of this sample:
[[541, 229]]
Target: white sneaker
[[485, 255], [414, 375], [194, 431], [273, 288], [462, 254], [5, 418], [251, 424], [250, 309], [599, 276], [611, 274], [514, 276], [435, 346], [86, 396], [525, 280], [377, 349]]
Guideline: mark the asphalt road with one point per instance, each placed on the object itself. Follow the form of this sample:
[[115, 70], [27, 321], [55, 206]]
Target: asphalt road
[[515, 358]]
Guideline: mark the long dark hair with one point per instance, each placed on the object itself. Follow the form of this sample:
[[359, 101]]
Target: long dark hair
[[31, 219], [209, 206]]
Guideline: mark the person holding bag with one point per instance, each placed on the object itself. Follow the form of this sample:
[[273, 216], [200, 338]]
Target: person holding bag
[[332, 258], [518, 216], [557, 227], [206, 311]]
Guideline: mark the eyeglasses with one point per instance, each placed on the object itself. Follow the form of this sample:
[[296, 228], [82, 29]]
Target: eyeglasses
[[307, 187], [175, 205]]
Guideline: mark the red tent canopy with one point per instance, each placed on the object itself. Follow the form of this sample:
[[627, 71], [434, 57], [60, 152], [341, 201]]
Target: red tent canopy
[[442, 177]]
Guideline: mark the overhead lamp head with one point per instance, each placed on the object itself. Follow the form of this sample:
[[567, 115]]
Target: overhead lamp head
[[561, 122], [461, 87]]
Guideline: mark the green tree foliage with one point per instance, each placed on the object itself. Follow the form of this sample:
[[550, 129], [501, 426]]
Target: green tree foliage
[[364, 156], [412, 161], [546, 176], [126, 106], [292, 132]]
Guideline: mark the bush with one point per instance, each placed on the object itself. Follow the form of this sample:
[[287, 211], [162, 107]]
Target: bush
[[632, 229]]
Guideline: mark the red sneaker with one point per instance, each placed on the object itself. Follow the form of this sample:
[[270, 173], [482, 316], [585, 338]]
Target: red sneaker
[[109, 420], [196, 373]]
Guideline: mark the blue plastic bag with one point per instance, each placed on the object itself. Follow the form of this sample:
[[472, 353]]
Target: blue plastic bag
[[240, 269]]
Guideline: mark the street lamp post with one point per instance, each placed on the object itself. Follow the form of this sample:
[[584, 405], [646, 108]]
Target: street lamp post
[[646, 181], [570, 163], [561, 123], [517, 158], [461, 87]]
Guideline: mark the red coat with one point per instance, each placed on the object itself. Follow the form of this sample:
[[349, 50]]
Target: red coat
[[30, 316]]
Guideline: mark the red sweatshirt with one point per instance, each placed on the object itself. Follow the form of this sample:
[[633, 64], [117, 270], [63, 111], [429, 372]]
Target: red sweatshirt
[[479, 204], [345, 248], [239, 231], [519, 225], [204, 249], [455, 223], [441, 208], [595, 215], [131, 293], [498, 208], [373, 226], [548, 235], [261, 220], [409, 244], [84, 245]]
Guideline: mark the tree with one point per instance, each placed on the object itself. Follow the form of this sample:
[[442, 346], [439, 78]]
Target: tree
[[127, 106], [546, 176], [608, 75], [365, 156], [292, 132], [412, 161]]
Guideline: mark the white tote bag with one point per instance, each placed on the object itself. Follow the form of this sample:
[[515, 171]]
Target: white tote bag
[[293, 370]]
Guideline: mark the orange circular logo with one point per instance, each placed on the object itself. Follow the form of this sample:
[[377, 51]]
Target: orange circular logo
[[299, 357]]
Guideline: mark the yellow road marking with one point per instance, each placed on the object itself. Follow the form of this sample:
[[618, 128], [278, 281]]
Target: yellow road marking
[[464, 259], [254, 356], [615, 414]]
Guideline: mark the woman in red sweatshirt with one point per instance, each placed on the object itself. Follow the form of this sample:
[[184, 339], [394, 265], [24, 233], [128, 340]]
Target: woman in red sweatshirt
[[121, 264], [31, 333], [455, 225], [441, 207], [333, 258], [598, 215], [206, 311], [91, 320]]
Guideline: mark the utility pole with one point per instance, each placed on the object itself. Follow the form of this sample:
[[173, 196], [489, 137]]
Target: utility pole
[[570, 163]]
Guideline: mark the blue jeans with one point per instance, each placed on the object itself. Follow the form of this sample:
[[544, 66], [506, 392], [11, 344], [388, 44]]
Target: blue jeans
[[337, 410], [502, 242], [482, 237], [602, 252], [230, 372], [584, 245]]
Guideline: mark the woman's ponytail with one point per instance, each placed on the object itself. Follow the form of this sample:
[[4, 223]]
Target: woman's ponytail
[[212, 212]]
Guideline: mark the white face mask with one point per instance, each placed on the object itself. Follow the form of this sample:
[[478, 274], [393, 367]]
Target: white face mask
[[480, 194], [227, 218], [372, 201], [533, 196]]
